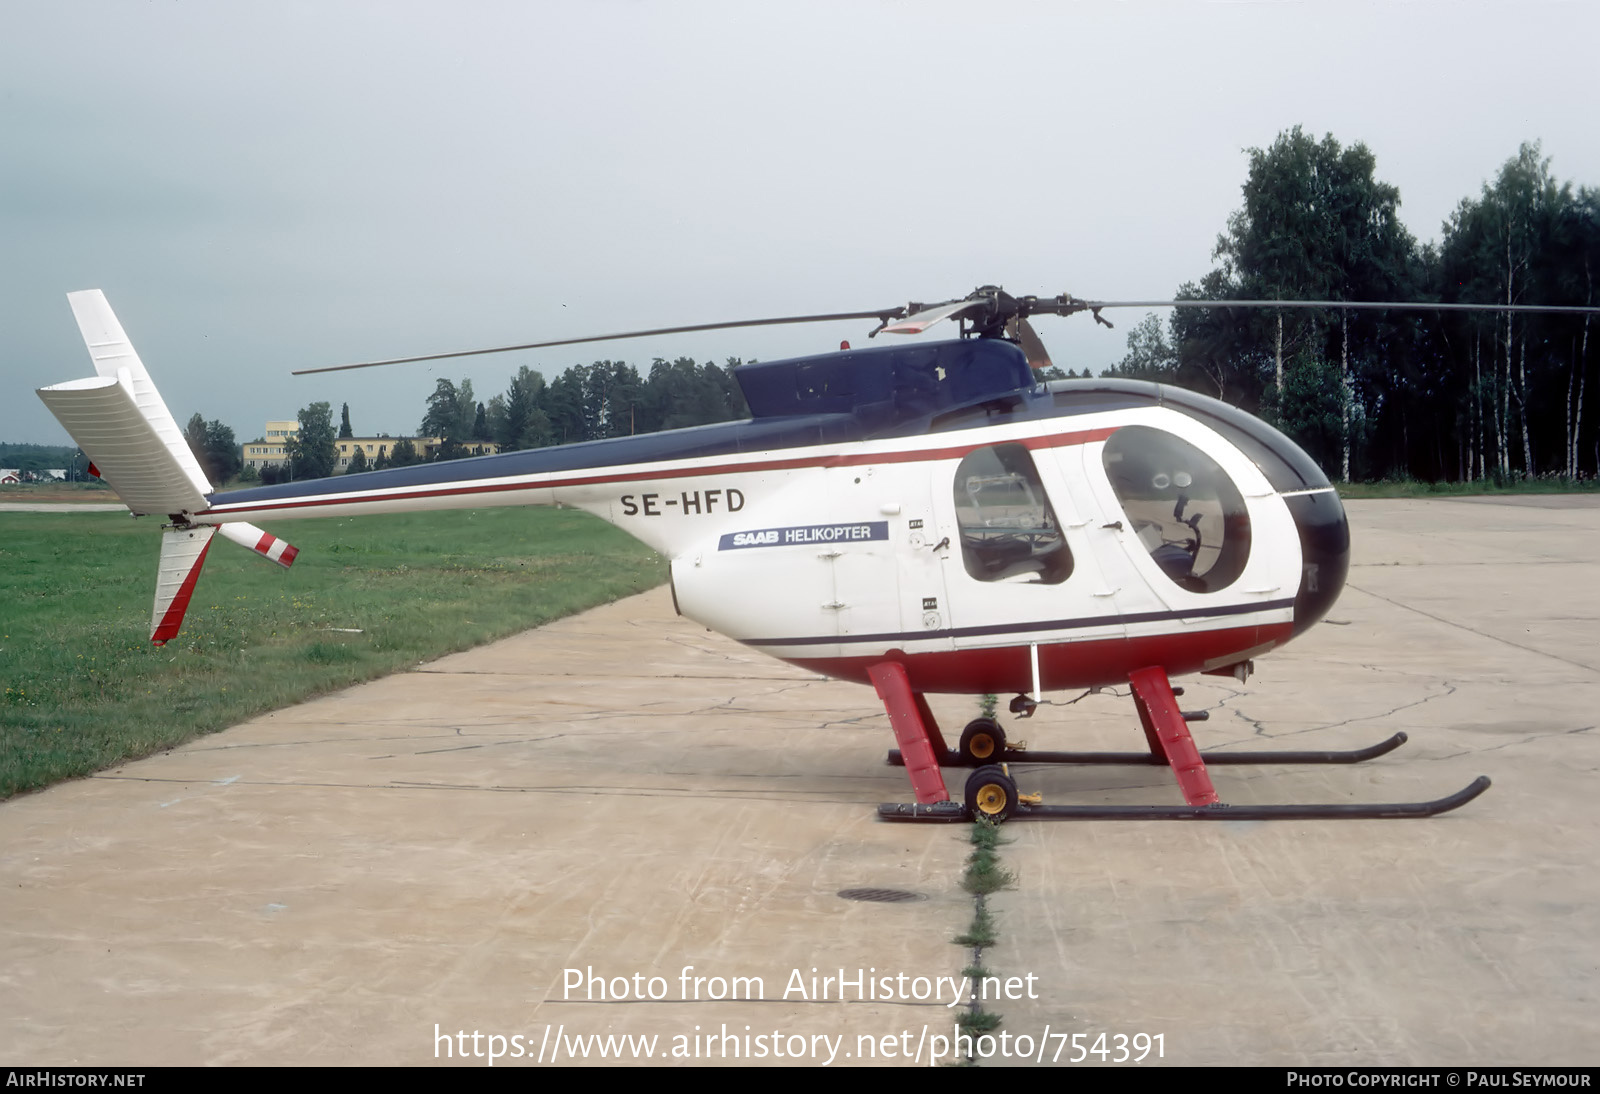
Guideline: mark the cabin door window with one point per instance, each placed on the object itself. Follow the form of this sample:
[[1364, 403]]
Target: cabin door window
[[1009, 533]]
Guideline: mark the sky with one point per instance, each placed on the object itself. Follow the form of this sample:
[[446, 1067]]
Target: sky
[[265, 186]]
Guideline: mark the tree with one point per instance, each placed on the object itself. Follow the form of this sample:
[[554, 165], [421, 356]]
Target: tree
[[312, 452], [1150, 355], [611, 399], [404, 453], [195, 434], [514, 419], [1311, 408], [227, 458], [1579, 262], [1432, 396], [215, 448], [563, 406], [1525, 239], [452, 412], [344, 423], [684, 393], [1316, 224], [358, 462]]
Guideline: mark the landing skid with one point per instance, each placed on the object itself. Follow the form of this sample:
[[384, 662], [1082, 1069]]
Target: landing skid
[[991, 793], [1211, 757], [955, 811]]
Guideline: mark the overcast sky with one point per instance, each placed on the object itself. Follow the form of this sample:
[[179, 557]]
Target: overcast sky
[[259, 187]]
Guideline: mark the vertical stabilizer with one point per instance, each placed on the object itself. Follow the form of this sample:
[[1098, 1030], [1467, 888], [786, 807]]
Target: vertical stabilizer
[[183, 552], [113, 356]]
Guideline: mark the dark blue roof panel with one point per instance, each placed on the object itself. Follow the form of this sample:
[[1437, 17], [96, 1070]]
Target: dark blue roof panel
[[894, 382]]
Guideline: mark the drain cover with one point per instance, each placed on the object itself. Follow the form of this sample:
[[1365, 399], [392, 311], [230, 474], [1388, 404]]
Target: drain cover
[[881, 896]]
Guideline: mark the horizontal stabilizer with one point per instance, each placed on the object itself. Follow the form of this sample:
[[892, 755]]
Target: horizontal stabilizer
[[105, 418], [265, 544], [183, 552]]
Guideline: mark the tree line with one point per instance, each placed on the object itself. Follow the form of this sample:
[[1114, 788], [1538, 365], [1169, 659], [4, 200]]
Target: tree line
[[1397, 394], [1369, 394], [34, 461], [312, 453], [584, 403]]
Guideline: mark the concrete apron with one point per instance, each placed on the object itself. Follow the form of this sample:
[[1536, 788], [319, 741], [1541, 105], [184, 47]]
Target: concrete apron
[[623, 796]]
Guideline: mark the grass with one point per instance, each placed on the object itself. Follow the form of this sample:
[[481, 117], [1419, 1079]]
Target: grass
[[58, 491], [83, 688], [1407, 488]]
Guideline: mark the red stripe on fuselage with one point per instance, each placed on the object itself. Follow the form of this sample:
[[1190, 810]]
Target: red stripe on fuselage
[[925, 455], [1092, 663]]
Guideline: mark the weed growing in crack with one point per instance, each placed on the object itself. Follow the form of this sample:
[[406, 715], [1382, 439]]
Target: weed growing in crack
[[980, 934], [975, 1022], [983, 875]]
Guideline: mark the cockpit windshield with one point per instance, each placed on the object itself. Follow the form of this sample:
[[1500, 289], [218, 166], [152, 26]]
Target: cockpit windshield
[[1185, 509]]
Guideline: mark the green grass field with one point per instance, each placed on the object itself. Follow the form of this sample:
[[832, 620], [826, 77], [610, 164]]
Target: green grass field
[[83, 688], [1412, 489]]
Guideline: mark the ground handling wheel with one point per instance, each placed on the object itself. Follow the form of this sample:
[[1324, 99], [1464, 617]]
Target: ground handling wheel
[[982, 742], [991, 795]]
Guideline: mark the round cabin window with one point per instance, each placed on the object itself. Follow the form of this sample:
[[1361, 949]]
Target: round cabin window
[[1184, 508]]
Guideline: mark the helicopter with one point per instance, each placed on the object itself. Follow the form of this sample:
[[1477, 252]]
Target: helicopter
[[922, 518]]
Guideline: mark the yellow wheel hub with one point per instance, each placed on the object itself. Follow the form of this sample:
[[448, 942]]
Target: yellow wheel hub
[[992, 799]]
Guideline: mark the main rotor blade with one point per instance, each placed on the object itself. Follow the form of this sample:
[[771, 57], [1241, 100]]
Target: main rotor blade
[[1022, 330], [920, 321], [882, 315], [1359, 305]]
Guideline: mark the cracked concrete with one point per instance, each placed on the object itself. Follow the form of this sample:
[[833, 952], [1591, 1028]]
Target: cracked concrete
[[1474, 626], [625, 791]]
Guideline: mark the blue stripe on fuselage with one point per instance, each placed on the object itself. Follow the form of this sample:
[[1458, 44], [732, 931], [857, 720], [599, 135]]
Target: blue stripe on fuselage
[[762, 435]]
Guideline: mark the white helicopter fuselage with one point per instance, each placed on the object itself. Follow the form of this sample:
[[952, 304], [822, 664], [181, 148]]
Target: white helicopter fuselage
[[838, 556], [920, 519], [924, 518], [928, 505]]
